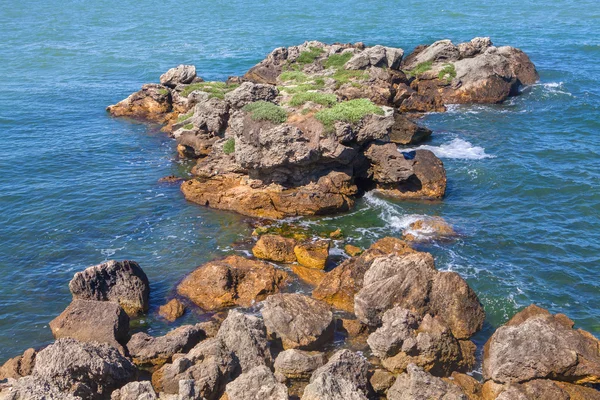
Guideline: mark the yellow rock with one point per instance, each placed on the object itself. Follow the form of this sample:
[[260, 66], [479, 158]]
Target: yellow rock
[[313, 254], [352, 251]]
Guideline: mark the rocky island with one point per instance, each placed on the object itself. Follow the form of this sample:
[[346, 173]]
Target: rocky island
[[305, 132]]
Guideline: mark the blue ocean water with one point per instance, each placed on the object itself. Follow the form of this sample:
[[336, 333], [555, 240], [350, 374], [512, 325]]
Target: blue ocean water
[[78, 187]]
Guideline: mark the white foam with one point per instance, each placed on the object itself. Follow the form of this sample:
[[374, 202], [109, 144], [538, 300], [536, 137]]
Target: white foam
[[553, 88], [457, 148], [390, 214]]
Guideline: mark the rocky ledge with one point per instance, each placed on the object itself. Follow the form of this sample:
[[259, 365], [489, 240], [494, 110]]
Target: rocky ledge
[[313, 126]]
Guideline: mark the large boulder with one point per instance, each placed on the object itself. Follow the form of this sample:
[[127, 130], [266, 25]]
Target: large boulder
[[258, 383], [416, 384], [153, 102], [298, 321], [404, 131], [339, 286], [535, 344], [343, 377], [204, 371], [407, 338], [376, 56], [135, 391], [89, 370], [412, 281], [93, 321], [149, 351], [539, 389], [182, 74], [246, 337], [249, 92], [313, 254], [19, 366], [231, 281], [298, 364], [123, 282], [275, 248]]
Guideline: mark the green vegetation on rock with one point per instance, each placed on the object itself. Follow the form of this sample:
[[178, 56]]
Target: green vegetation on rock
[[310, 55], [295, 76], [324, 99], [188, 126], [419, 69], [343, 76], [448, 73], [183, 117], [229, 146], [351, 111], [214, 89], [305, 87], [266, 111], [337, 60], [163, 91]]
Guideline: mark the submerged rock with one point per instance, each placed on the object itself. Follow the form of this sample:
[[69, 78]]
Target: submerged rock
[[123, 282], [231, 281], [172, 310], [300, 322]]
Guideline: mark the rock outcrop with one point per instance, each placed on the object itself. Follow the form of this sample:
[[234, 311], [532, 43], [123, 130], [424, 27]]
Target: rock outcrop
[[298, 364], [313, 254], [135, 391], [417, 384], [182, 74], [258, 383], [19, 366], [298, 321], [231, 281], [275, 248], [123, 282]]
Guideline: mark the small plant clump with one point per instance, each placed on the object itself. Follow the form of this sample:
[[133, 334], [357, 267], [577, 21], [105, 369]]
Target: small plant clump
[[214, 89], [183, 117], [419, 69], [310, 55], [344, 76], [305, 87], [188, 126], [294, 76], [325, 99], [351, 111], [337, 61], [266, 111], [163, 91], [448, 73], [229, 146]]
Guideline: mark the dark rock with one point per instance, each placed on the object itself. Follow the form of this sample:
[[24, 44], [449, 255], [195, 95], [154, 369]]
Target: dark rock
[[405, 131], [122, 282]]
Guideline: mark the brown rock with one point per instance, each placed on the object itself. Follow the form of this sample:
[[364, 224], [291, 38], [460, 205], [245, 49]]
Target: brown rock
[[471, 387], [311, 276], [231, 281], [93, 321], [352, 251], [172, 310], [313, 254], [336, 234], [428, 229], [153, 102], [341, 284], [19, 366], [275, 248], [381, 380], [405, 131]]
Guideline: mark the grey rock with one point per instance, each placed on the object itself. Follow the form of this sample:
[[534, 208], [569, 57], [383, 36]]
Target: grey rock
[[298, 364], [123, 282], [245, 336], [388, 165], [416, 384], [135, 391], [440, 51], [31, 388], [298, 321], [476, 46], [181, 74], [376, 56], [259, 383], [145, 349], [93, 321], [249, 92]]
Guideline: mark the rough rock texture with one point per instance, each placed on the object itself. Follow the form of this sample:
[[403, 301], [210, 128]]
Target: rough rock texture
[[123, 282], [376, 56], [258, 383], [250, 92], [275, 248], [172, 310], [178, 75], [19, 366], [343, 377], [535, 344], [381, 380], [416, 384], [311, 276], [202, 373], [539, 389], [405, 131], [146, 350], [352, 251], [246, 337], [339, 286], [231, 281], [411, 281], [89, 370], [93, 321], [407, 338], [153, 103], [313, 254], [135, 391], [300, 322], [30, 388], [298, 364]]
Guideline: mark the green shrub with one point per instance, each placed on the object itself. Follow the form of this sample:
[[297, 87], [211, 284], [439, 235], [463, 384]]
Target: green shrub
[[163, 91], [344, 76], [351, 111], [447, 70], [309, 56], [265, 111], [183, 117], [324, 99], [188, 126], [214, 89], [229, 146], [419, 69], [337, 61], [305, 87], [295, 76]]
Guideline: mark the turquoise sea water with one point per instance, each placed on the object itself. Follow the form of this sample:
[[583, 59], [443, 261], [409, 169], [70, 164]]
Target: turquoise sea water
[[78, 187]]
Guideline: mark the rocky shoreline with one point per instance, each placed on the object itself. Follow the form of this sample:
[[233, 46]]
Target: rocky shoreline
[[305, 132]]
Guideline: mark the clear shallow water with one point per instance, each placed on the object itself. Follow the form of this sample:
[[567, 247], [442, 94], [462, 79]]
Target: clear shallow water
[[78, 187]]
